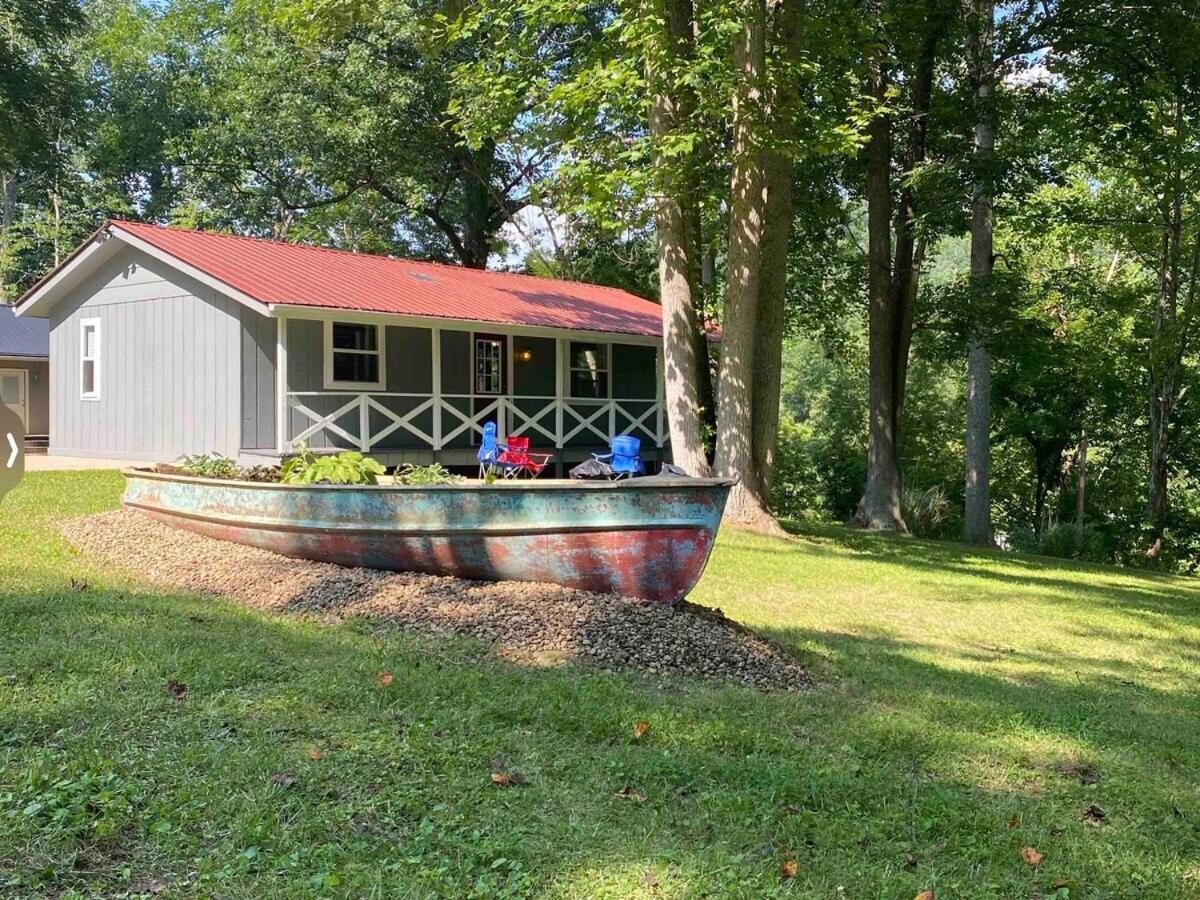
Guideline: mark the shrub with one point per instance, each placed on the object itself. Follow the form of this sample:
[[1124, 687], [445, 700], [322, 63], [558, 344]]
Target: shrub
[[348, 467], [209, 465], [928, 512], [431, 474]]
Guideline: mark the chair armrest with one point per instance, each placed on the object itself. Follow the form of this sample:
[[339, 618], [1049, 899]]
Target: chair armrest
[[602, 456]]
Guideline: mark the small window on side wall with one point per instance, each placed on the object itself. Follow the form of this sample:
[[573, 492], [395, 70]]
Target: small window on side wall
[[589, 370], [89, 359], [354, 355]]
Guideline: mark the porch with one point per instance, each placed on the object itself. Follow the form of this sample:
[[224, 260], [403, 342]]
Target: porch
[[422, 393]]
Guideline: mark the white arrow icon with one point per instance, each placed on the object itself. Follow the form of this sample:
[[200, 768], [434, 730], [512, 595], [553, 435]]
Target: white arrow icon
[[12, 457]]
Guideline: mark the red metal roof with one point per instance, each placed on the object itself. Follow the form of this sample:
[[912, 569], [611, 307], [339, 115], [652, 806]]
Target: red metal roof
[[302, 275]]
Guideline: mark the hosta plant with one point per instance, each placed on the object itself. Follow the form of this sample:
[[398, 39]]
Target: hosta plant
[[348, 467]]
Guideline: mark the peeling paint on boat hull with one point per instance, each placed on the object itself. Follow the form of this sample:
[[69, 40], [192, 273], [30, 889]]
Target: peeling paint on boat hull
[[647, 538]]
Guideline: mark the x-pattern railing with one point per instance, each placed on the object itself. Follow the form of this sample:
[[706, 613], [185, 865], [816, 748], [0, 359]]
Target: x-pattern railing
[[515, 415]]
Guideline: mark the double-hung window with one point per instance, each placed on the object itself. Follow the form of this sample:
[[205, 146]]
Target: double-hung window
[[589, 370], [354, 355], [89, 359]]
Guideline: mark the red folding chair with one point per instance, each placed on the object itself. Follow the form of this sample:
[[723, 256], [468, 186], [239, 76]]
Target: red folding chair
[[516, 458]]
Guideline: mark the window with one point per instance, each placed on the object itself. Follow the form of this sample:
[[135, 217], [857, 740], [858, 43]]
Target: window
[[89, 359], [489, 365], [353, 355], [589, 370]]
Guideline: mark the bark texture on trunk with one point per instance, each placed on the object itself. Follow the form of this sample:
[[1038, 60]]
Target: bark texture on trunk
[[735, 457], [880, 504], [685, 353], [779, 171], [977, 518]]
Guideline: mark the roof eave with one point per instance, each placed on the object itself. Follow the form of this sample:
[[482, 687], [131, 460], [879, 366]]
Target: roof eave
[[97, 250], [303, 310]]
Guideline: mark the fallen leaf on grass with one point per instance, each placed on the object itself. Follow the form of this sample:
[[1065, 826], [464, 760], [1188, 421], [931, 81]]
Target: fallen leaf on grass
[[314, 753], [1063, 883], [507, 779], [1085, 772], [383, 679], [178, 689], [650, 880], [1094, 815], [149, 886], [788, 868], [628, 793], [640, 729], [926, 895], [1014, 821], [910, 860], [284, 779], [1031, 856]]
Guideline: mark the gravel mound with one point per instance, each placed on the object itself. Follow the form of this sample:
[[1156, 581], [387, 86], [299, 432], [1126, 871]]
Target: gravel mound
[[537, 624]]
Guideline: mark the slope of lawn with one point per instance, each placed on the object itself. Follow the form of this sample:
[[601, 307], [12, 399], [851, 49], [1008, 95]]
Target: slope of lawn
[[972, 707]]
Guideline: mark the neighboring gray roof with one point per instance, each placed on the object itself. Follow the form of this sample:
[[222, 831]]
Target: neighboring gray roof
[[25, 336]]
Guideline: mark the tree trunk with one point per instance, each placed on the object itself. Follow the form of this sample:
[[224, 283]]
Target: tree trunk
[[910, 249], [705, 391], [779, 170], [8, 218], [1081, 490], [880, 504], [980, 56], [1164, 362], [685, 357], [479, 213], [735, 457]]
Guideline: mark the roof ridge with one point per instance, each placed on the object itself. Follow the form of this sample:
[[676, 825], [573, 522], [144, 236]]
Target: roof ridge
[[388, 258]]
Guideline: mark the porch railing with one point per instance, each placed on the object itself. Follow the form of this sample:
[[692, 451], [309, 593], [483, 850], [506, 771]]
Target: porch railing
[[367, 420]]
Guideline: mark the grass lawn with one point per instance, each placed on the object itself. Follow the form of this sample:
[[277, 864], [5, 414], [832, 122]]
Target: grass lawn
[[971, 705]]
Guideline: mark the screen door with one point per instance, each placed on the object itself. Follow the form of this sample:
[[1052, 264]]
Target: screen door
[[14, 392]]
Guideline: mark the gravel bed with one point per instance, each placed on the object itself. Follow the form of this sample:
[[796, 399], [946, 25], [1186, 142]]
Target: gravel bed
[[538, 624]]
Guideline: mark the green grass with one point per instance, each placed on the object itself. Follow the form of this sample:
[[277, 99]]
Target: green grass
[[961, 694]]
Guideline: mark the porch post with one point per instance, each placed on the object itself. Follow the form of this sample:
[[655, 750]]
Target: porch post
[[559, 392], [436, 356], [281, 401]]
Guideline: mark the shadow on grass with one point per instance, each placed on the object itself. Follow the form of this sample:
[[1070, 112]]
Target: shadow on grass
[[1134, 590], [290, 766]]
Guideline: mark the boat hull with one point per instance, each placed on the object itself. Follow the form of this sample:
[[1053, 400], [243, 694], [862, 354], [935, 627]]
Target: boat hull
[[647, 538]]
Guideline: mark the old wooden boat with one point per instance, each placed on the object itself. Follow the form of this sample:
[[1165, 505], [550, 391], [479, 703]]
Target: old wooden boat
[[644, 537]]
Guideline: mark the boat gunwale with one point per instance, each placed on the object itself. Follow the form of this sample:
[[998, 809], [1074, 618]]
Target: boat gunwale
[[671, 482]]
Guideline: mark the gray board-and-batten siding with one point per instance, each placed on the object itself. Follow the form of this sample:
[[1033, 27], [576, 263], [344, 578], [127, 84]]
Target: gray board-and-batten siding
[[170, 373]]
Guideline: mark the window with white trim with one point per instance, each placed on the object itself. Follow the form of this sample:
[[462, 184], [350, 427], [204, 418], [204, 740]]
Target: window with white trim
[[354, 355], [89, 359], [589, 370]]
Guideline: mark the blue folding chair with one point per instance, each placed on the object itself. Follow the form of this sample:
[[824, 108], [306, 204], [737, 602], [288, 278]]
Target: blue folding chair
[[494, 455], [624, 457], [489, 449]]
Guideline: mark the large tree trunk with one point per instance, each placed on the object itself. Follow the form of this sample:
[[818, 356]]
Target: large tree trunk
[[1164, 362], [685, 355], [706, 394], [910, 248], [479, 212], [980, 57], [880, 504], [735, 457], [779, 171]]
